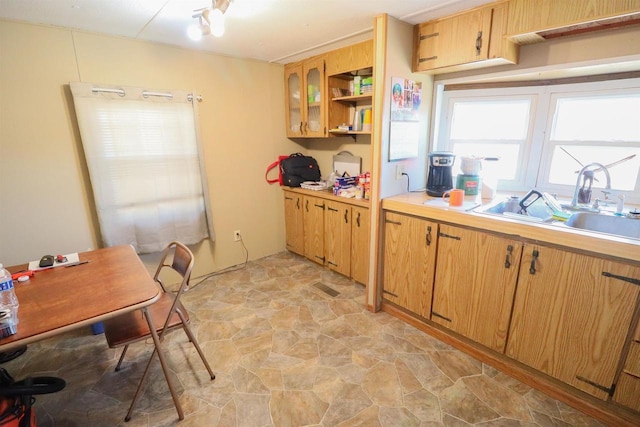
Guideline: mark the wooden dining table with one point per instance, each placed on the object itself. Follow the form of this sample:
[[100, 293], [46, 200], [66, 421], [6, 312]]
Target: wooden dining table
[[112, 281]]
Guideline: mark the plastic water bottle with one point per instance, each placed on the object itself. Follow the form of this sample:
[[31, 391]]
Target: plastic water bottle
[[8, 305]]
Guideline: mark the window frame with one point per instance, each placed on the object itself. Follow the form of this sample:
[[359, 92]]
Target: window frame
[[535, 158]]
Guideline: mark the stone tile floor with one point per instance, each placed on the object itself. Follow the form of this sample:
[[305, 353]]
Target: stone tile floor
[[286, 354]]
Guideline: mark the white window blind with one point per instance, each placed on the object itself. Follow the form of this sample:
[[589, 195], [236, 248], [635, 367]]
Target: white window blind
[[142, 155]]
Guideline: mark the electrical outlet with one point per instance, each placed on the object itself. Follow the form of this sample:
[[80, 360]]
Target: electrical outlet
[[236, 236], [399, 171]]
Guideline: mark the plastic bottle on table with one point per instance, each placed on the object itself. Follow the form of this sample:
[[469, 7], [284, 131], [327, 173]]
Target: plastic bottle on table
[[8, 305]]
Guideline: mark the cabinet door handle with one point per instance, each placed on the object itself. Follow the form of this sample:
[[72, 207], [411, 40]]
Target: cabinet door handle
[[288, 198], [306, 205], [346, 216], [298, 203], [358, 219], [319, 206], [430, 58], [429, 236], [507, 261], [300, 127], [388, 221], [478, 42], [330, 209], [532, 268]]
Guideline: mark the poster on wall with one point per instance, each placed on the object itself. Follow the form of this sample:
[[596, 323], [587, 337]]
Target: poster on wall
[[404, 129]]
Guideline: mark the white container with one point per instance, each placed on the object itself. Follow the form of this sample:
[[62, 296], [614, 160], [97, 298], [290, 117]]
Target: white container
[[471, 165], [8, 305]]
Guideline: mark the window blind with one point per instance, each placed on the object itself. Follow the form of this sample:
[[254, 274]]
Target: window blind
[[142, 155]]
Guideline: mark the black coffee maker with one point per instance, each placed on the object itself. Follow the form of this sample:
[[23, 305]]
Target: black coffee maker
[[440, 177]]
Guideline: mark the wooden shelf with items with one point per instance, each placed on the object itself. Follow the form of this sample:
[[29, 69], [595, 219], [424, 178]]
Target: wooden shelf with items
[[353, 98], [351, 95]]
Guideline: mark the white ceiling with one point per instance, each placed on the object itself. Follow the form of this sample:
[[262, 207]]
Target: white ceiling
[[268, 30]]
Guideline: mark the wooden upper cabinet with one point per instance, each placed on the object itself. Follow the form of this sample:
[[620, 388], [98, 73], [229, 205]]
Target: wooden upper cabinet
[[293, 99], [355, 57], [305, 103], [529, 18], [409, 262], [476, 276], [466, 40], [571, 316]]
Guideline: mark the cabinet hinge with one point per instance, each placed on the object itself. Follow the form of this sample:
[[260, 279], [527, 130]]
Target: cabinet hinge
[[441, 234], [608, 390], [427, 36], [389, 293], [623, 278], [433, 313]]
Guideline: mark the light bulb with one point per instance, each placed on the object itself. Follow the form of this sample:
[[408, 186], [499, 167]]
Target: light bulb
[[217, 22], [194, 32]]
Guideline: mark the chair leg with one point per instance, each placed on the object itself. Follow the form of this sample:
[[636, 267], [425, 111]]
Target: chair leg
[[165, 370], [139, 389], [124, 350], [194, 341]]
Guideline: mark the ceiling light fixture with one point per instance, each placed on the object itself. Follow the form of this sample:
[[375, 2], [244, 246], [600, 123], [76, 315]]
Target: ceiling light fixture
[[210, 20]]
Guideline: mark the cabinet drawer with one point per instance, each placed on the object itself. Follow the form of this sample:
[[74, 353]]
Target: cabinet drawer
[[628, 391], [632, 365]]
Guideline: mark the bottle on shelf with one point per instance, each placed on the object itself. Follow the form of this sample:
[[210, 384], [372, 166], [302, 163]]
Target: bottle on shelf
[[8, 305]]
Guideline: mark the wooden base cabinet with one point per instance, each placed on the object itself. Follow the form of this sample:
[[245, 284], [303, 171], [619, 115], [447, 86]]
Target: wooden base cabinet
[[476, 276], [628, 386], [294, 226], [360, 230], [330, 232], [572, 315], [337, 224], [409, 261], [313, 228]]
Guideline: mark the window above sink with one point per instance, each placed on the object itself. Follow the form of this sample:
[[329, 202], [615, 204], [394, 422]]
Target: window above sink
[[545, 134]]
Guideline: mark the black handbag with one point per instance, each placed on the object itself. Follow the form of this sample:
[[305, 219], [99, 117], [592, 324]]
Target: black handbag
[[16, 397], [298, 168]]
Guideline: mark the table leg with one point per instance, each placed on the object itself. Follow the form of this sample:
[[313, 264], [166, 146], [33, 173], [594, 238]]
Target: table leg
[[158, 349]]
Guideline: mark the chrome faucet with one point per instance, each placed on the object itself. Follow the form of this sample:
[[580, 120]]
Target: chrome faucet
[[574, 201]]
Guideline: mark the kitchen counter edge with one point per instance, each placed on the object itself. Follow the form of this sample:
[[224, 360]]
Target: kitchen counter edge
[[328, 195], [582, 241]]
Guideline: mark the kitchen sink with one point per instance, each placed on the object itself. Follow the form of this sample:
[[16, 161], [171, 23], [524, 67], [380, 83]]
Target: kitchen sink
[[536, 212], [609, 224]]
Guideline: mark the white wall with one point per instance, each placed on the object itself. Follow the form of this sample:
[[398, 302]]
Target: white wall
[[47, 205], [398, 64]]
